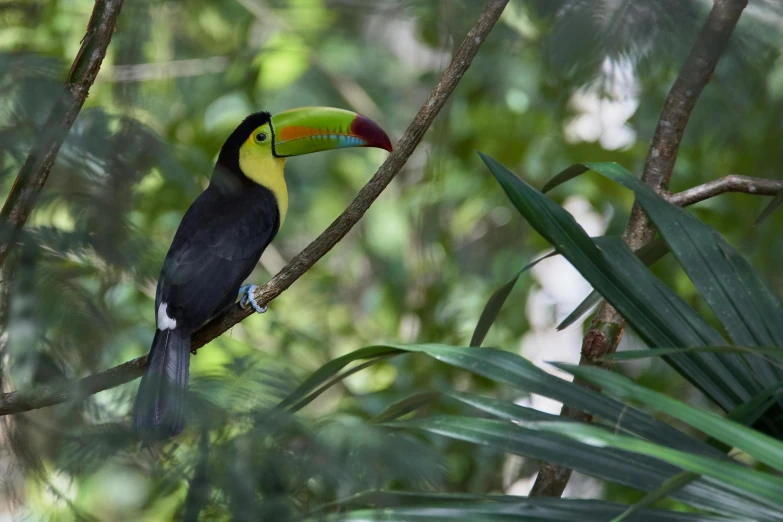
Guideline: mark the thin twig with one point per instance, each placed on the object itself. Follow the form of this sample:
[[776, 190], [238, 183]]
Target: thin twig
[[607, 326], [33, 174], [15, 402], [142, 72], [730, 183]]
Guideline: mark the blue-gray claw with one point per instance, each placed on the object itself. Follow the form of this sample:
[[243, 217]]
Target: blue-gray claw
[[248, 298]]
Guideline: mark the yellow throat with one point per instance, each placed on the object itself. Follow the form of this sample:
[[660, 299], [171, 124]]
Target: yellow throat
[[261, 166]]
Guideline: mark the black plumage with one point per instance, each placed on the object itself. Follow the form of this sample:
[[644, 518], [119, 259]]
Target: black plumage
[[217, 245]]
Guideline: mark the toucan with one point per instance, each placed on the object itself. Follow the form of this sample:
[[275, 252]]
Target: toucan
[[221, 238]]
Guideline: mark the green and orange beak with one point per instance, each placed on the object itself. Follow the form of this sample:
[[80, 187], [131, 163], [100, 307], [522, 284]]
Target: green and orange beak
[[315, 129]]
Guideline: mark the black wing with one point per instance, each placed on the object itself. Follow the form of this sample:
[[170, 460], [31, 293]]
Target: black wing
[[215, 248]]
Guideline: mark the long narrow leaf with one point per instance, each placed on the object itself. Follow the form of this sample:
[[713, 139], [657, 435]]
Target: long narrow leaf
[[675, 483], [773, 355], [330, 369], [747, 415], [633, 470], [767, 304], [727, 377], [582, 309], [565, 175], [496, 301], [648, 255], [502, 409], [764, 485], [701, 253], [762, 447], [516, 371], [660, 317], [430, 507], [406, 406], [562, 231]]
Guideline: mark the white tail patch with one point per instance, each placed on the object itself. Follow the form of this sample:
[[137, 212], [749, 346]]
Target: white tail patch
[[164, 321]]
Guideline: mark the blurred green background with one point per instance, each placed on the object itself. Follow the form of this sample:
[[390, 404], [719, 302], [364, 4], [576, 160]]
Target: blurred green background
[[557, 82]]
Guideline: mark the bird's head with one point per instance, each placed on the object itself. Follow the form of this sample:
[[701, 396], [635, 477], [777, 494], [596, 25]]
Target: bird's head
[[260, 145], [263, 137]]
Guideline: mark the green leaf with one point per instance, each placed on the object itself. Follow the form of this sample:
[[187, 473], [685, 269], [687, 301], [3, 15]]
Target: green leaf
[[747, 414], [767, 303], [722, 379], [568, 238], [633, 470], [764, 485], [322, 376], [502, 409], [509, 368], [408, 498], [659, 316], [701, 252], [591, 301], [773, 355], [648, 254], [406, 406], [750, 412], [762, 447], [496, 301], [673, 484], [530, 378], [516, 371], [566, 175], [446, 507]]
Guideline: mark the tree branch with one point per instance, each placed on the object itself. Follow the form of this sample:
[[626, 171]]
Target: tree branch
[[142, 72], [607, 326], [730, 183], [16, 402], [33, 174]]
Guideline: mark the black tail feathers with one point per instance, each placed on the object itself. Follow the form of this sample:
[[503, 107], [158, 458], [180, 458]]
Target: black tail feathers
[[159, 410]]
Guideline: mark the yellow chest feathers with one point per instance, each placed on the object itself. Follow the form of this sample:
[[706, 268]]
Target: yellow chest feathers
[[261, 166]]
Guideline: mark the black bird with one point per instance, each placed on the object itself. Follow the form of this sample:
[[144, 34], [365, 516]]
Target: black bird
[[221, 238]]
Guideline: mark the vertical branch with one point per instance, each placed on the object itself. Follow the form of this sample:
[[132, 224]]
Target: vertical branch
[[607, 326], [33, 174]]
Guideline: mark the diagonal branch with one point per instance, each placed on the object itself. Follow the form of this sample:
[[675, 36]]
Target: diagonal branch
[[33, 174], [607, 326], [730, 183], [15, 402]]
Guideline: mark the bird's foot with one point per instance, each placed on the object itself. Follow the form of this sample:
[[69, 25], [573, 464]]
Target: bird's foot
[[248, 299]]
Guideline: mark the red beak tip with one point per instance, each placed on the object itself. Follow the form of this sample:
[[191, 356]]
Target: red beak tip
[[366, 129]]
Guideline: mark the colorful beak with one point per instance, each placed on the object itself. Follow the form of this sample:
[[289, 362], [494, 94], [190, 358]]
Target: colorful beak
[[315, 129]]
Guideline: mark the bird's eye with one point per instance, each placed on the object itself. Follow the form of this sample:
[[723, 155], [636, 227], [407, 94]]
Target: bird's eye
[[261, 137]]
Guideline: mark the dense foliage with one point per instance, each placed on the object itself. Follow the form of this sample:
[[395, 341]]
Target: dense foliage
[[557, 82]]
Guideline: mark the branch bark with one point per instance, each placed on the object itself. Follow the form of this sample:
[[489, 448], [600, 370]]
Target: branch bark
[[730, 183], [16, 402], [35, 170], [607, 326]]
